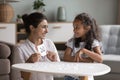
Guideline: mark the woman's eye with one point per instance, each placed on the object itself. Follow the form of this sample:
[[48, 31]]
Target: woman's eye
[[45, 26]]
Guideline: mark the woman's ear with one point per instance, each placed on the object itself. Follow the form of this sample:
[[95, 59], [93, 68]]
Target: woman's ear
[[31, 27]]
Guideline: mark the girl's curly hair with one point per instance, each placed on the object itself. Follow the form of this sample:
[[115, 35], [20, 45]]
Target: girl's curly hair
[[93, 33]]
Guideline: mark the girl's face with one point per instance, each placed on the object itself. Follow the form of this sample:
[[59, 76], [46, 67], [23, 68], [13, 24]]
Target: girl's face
[[79, 29], [41, 30]]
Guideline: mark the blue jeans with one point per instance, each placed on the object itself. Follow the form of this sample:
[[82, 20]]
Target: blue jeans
[[70, 78]]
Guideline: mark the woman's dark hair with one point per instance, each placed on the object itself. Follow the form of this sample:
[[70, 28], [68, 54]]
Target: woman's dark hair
[[93, 33], [32, 19]]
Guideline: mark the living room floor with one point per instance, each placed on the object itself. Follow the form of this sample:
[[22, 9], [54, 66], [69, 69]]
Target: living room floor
[[110, 76]]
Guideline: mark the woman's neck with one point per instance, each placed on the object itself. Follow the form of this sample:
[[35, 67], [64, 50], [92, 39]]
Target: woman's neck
[[36, 41]]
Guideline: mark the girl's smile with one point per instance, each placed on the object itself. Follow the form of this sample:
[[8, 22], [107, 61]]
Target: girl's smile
[[79, 30]]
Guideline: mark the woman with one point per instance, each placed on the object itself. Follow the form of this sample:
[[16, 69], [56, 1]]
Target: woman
[[36, 48]]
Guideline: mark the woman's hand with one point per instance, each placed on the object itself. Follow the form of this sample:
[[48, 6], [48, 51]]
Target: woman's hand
[[34, 58], [51, 56]]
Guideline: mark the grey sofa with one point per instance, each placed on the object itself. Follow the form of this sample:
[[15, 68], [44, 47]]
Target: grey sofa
[[6, 50], [111, 46]]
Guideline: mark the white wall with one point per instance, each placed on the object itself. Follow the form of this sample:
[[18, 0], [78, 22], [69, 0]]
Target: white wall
[[104, 11]]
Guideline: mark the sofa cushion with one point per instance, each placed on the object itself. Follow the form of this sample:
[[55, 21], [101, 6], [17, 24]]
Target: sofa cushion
[[5, 66], [111, 39], [4, 77], [111, 57], [61, 54], [4, 51]]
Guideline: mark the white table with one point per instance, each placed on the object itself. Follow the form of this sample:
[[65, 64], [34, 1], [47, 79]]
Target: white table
[[65, 68]]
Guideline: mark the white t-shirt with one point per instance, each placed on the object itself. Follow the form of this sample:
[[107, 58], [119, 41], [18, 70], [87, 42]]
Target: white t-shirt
[[70, 44], [26, 49]]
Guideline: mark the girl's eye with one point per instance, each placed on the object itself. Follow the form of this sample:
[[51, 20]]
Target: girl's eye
[[76, 27]]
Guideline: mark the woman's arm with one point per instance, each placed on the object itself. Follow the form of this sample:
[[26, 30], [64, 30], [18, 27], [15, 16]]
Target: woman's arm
[[34, 58], [52, 48], [52, 56]]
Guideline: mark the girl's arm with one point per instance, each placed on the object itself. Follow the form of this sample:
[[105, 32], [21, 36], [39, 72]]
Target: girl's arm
[[79, 58], [76, 58], [67, 55], [95, 55]]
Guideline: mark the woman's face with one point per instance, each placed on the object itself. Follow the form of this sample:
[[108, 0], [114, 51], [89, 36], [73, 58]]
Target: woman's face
[[41, 30], [79, 30]]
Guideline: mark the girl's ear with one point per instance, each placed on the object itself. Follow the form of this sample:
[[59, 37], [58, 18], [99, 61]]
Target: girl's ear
[[87, 28]]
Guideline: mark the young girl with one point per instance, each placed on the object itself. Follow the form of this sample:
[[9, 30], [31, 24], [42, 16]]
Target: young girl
[[85, 45]]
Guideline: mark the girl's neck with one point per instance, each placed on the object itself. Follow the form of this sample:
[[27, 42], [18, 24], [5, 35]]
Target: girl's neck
[[82, 38]]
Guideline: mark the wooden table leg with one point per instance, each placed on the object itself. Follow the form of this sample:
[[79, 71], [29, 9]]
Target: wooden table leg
[[83, 77], [25, 75]]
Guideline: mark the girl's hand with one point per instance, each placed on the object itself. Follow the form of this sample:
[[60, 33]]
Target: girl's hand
[[34, 58], [51, 56], [78, 57], [82, 57]]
